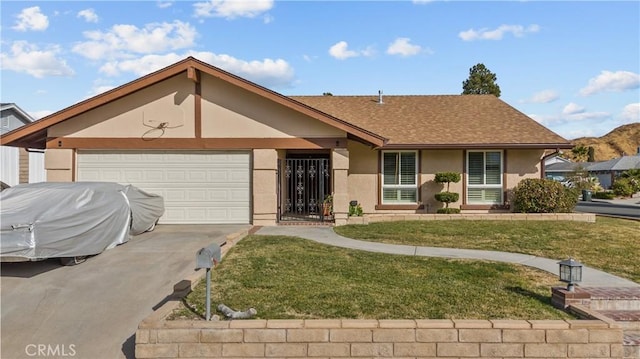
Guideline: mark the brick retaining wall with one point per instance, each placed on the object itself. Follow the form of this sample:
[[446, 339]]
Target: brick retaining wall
[[379, 338]]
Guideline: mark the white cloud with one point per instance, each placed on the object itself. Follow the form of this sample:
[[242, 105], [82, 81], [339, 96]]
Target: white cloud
[[89, 15], [545, 96], [611, 82], [28, 58], [402, 46], [497, 34], [309, 58], [582, 116], [630, 113], [125, 41], [164, 4], [571, 113], [31, 19], [422, 1], [231, 9], [341, 51], [268, 72], [572, 109]]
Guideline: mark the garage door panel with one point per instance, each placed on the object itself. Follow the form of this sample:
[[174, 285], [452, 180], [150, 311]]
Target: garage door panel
[[197, 186]]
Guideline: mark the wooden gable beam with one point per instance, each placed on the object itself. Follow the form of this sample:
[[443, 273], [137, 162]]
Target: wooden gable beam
[[193, 74]]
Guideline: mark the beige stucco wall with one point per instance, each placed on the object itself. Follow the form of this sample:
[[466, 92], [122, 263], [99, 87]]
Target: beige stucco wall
[[522, 164], [340, 163], [59, 165], [170, 101], [265, 200], [232, 112], [363, 175]]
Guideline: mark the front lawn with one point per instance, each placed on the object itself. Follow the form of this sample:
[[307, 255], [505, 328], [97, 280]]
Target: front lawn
[[287, 278], [612, 245]]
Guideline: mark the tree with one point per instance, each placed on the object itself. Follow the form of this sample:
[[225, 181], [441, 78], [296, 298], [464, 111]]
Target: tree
[[591, 154], [481, 81], [580, 153], [447, 197]]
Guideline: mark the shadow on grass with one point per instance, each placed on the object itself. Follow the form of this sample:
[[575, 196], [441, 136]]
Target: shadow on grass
[[527, 293]]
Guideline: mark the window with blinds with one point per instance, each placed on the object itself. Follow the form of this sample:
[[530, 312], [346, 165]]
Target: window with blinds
[[399, 177], [484, 177]]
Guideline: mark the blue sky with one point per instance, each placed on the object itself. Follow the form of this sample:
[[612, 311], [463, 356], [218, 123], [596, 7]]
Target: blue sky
[[572, 66]]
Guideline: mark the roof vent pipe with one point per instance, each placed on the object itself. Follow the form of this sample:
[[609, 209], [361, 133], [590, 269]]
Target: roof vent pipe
[[380, 102]]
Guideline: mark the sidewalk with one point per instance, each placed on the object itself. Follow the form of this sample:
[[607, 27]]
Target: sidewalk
[[590, 277]]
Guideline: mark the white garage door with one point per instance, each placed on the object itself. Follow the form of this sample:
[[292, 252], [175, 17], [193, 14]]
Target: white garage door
[[199, 187]]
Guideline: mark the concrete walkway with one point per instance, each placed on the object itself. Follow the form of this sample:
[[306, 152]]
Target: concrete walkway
[[590, 277]]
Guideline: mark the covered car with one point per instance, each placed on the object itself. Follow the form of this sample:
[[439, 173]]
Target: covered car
[[72, 219]]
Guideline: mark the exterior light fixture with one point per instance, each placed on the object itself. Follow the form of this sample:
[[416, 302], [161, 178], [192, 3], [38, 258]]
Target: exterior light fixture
[[570, 272]]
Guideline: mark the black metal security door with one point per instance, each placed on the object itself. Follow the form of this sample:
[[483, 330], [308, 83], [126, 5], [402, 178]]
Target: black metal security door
[[307, 183]]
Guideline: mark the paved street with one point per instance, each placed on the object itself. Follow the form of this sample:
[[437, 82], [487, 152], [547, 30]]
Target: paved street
[[629, 208], [92, 310]]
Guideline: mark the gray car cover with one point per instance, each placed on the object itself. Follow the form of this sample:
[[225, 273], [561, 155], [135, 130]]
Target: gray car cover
[[50, 219]]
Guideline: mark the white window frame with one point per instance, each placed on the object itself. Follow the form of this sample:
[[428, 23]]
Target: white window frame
[[499, 186], [384, 186]]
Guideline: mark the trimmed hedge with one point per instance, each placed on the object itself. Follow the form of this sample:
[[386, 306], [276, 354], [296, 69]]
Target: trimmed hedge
[[448, 210], [447, 197], [535, 195], [603, 195]]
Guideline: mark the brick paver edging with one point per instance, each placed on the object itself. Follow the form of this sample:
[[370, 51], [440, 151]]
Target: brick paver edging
[[385, 217]]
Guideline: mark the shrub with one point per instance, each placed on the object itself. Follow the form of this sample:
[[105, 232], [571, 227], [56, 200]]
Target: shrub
[[447, 177], [355, 210], [623, 186], [634, 177], [448, 210], [447, 197], [534, 195], [604, 195]]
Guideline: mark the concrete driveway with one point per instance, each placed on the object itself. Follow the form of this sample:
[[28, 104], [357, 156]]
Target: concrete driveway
[[92, 310]]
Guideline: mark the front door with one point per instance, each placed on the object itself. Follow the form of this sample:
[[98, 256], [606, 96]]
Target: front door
[[306, 184]]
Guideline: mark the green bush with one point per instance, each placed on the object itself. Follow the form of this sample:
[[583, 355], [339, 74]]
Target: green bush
[[534, 195], [448, 210], [447, 197], [623, 186], [446, 177], [604, 195], [355, 210]]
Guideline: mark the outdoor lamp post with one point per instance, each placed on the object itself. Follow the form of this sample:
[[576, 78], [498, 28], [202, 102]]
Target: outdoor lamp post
[[570, 272]]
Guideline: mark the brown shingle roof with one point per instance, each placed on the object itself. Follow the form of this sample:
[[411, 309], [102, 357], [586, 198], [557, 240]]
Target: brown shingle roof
[[445, 121]]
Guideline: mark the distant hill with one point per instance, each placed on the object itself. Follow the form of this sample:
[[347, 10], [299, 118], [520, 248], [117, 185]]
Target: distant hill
[[623, 140]]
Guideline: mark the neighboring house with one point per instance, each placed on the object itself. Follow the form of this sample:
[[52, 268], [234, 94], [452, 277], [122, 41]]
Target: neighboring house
[[605, 171], [221, 149], [608, 171], [18, 165]]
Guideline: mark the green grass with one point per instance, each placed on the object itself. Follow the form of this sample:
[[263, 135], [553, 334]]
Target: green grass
[[612, 245], [286, 278]]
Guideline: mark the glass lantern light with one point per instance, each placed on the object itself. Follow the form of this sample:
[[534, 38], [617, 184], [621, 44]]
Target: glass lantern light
[[570, 272]]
